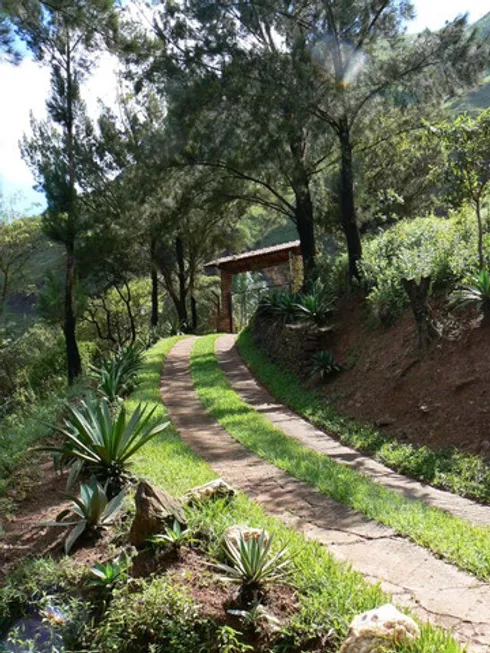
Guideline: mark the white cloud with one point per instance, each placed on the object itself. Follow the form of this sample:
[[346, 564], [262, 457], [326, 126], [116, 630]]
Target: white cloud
[[25, 88]]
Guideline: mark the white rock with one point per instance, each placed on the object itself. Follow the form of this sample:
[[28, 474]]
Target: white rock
[[233, 533], [370, 631], [217, 489]]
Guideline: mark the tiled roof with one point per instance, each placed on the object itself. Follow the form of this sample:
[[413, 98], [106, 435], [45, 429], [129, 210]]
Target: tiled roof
[[282, 247]]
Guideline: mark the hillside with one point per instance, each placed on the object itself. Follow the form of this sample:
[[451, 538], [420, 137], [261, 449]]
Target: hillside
[[478, 98]]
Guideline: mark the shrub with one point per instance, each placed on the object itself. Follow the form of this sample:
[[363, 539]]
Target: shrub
[[253, 566], [156, 616], [324, 364], [91, 508], [104, 441], [443, 249]]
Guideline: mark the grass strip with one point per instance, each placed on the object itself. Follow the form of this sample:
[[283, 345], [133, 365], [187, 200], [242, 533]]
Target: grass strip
[[453, 539], [450, 469], [330, 593]]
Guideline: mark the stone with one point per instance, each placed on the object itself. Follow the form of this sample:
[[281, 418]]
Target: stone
[[233, 534], [155, 510], [217, 489], [372, 631]]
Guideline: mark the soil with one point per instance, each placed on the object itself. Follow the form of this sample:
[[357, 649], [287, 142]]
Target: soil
[[39, 496], [439, 397]]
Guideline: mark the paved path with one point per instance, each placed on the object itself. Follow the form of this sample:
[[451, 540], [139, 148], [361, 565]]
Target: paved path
[[286, 420], [435, 590]]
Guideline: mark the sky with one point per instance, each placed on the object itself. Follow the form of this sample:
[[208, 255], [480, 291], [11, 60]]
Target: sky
[[26, 87]]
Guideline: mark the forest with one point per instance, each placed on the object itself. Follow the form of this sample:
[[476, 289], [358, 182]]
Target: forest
[[239, 126]]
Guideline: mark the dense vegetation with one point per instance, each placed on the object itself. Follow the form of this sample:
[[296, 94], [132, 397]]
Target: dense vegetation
[[236, 126]]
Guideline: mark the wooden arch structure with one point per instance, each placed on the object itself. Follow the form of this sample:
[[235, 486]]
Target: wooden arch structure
[[258, 259]]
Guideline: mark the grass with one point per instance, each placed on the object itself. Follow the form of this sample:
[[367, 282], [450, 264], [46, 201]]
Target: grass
[[330, 593], [26, 427], [453, 539], [459, 472]]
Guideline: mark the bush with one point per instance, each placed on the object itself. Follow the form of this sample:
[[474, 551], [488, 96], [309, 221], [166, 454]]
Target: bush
[[157, 616], [444, 249], [324, 364]]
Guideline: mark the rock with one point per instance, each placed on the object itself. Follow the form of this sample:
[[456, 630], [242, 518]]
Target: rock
[[233, 533], [155, 510], [217, 489], [372, 631]]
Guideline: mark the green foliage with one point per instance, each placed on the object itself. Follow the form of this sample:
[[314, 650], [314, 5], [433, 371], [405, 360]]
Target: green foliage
[[466, 173], [281, 305], [229, 641], [314, 308], [117, 376], [103, 439], [476, 293], [156, 615], [174, 536], [106, 576], [92, 509], [436, 247], [253, 565], [324, 364]]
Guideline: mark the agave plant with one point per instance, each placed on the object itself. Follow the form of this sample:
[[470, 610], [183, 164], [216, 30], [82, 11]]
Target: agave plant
[[280, 305], [253, 565], [104, 576], [324, 364], [96, 437], [92, 511], [314, 309], [117, 376], [174, 536], [476, 293]]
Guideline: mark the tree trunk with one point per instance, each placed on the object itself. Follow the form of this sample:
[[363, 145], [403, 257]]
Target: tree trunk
[[305, 227], [5, 290], [181, 303], [194, 317], [154, 297], [347, 204], [480, 234], [72, 354], [417, 294]]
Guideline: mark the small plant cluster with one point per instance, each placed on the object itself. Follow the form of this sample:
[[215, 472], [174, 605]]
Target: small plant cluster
[[99, 440], [116, 376], [314, 307], [324, 365], [476, 292]]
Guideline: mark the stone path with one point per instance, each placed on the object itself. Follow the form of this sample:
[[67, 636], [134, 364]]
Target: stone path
[[435, 590], [245, 385]]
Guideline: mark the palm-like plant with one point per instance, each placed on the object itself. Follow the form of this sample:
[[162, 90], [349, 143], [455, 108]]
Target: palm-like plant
[[314, 309], [104, 576], [254, 566], [92, 511], [117, 376], [280, 305], [174, 536], [96, 437], [324, 364], [476, 293]]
